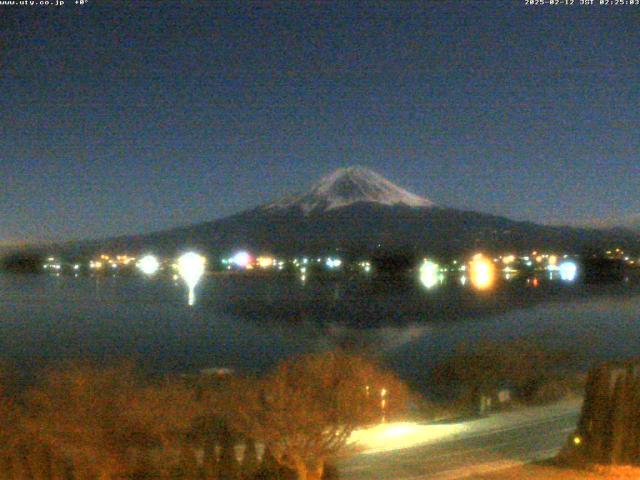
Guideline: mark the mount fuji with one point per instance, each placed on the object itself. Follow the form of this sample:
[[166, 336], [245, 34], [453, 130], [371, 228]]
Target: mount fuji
[[350, 186], [357, 211]]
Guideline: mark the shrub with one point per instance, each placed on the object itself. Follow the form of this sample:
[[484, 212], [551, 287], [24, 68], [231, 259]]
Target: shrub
[[551, 391]]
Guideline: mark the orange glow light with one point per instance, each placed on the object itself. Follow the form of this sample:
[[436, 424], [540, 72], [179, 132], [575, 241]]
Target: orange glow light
[[482, 272], [265, 262], [509, 259]]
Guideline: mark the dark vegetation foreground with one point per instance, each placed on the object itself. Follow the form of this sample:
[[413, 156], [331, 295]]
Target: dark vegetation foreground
[[82, 422]]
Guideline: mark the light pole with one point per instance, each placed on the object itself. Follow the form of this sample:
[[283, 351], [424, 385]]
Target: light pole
[[383, 404], [191, 268]]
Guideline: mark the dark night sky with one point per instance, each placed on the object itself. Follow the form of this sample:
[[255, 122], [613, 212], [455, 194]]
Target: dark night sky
[[121, 120]]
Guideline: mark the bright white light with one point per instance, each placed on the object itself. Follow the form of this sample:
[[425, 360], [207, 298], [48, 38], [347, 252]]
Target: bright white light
[[333, 262], [191, 268], [387, 437], [429, 274], [148, 265], [241, 259], [568, 271]]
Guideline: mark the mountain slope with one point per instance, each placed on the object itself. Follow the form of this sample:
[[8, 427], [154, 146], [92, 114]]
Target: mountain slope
[[358, 211], [629, 222], [632, 223], [365, 228]]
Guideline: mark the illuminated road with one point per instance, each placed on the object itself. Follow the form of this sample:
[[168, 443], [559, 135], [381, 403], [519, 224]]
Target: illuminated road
[[480, 446]]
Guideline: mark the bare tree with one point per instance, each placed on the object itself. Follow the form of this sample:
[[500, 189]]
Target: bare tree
[[12, 437], [306, 409], [104, 421]]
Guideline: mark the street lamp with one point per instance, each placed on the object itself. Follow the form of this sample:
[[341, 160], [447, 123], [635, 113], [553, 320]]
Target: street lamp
[[148, 265], [568, 271], [429, 274], [383, 404], [481, 272], [191, 268]]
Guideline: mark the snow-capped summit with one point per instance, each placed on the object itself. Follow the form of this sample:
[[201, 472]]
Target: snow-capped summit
[[347, 186]]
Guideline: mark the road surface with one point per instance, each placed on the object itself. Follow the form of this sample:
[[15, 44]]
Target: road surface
[[460, 450]]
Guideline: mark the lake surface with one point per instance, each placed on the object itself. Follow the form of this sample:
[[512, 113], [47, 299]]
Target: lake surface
[[249, 323]]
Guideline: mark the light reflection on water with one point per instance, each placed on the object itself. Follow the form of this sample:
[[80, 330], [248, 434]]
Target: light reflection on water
[[246, 323]]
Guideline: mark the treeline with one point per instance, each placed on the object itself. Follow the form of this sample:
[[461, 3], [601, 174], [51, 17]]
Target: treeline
[[532, 372], [21, 262], [83, 422]]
